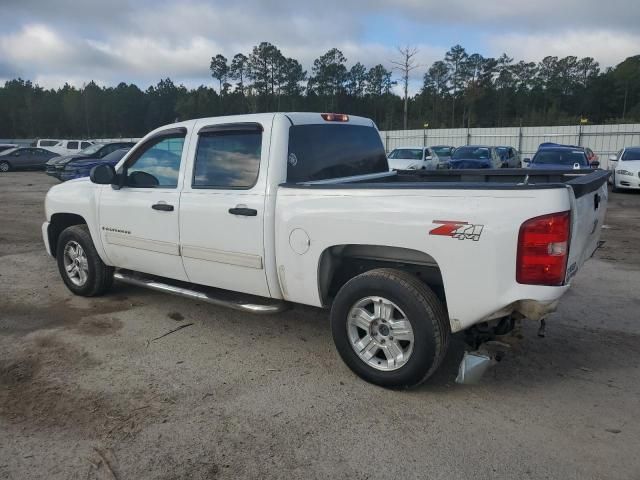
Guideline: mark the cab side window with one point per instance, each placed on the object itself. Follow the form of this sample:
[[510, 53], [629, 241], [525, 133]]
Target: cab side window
[[228, 159], [157, 164], [72, 145]]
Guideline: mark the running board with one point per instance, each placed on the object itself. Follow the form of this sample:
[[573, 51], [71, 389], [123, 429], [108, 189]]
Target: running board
[[215, 296]]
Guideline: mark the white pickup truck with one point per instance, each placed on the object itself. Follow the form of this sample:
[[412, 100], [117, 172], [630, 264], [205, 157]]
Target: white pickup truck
[[256, 211]]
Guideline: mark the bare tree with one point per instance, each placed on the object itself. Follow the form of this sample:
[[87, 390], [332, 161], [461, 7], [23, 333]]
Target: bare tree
[[405, 65]]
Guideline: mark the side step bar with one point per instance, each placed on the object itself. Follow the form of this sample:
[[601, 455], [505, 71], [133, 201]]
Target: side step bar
[[215, 296]]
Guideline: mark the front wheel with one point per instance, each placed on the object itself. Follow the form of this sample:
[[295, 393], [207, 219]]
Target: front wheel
[[4, 166], [81, 268], [614, 188], [389, 328]]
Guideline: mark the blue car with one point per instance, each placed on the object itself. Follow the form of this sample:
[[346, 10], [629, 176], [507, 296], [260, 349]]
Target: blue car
[[82, 167], [475, 156], [551, 156]]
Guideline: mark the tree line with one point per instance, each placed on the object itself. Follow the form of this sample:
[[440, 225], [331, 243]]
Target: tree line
[[461, 90]]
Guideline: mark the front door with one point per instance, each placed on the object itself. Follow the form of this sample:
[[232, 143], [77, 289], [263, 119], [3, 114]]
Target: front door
[[139, 221], [222, 208]]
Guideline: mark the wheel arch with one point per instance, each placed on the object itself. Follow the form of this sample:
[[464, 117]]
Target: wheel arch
[[339, 263], [58, 222]]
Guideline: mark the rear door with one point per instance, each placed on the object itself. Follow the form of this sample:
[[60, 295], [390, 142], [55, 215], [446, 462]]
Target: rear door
[[588, 209], [29, 158], [222, 207]]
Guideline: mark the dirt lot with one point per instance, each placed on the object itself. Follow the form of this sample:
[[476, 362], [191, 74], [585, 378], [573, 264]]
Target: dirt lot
[[84, 394]]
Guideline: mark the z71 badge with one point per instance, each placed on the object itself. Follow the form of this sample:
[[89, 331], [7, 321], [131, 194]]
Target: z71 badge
[[459, 230]]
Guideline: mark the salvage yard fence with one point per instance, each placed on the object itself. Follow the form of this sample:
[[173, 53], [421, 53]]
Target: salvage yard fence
[[604, 140]]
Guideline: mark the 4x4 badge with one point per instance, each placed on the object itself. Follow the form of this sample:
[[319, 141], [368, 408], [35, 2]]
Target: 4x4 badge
[[459, 230]]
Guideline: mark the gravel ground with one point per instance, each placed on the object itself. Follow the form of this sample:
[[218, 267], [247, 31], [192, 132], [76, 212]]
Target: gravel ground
[[84, 393]]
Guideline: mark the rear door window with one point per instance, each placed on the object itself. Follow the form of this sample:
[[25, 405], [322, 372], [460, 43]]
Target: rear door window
[[228, 159], [72, 145]]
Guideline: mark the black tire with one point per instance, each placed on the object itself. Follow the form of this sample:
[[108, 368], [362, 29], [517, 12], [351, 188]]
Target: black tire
[[422, 308], [614, 189], [5, 166], [99, 276]]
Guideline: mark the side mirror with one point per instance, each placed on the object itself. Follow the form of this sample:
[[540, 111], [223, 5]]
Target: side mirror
[[595, 164], [613, 158], [103, 174], [526, 160], [17, 154]]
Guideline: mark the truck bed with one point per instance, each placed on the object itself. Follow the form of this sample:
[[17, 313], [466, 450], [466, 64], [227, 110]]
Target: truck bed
[[581, 182]]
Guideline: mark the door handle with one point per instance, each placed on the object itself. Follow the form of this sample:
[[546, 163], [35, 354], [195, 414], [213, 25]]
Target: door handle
[[163, 207], [247, 212]]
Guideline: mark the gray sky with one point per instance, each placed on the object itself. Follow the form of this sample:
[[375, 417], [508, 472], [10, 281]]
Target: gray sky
[[53, 42]]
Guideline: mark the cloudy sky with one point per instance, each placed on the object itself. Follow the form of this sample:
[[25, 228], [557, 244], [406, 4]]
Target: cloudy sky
[[57, 41]]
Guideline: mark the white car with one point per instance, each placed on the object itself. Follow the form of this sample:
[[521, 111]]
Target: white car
[[302, 208], [412, 158], [64, 147], [625, 168]]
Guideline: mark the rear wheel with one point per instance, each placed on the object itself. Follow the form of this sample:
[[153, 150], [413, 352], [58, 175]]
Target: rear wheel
[[389, 328], [81, 268], [4, 166]]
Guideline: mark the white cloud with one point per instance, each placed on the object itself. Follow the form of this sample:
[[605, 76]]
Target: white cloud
[[146, 40], [607, 47]]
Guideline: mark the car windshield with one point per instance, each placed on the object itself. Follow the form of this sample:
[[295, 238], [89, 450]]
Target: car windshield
[[631, 154], [476, 153], [92, 149], [560, 157], [407, 154], [442, 151]]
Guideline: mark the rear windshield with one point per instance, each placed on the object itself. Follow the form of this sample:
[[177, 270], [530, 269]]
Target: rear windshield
[[320, 152], [560, 157], [442, 151], [631, 154], [477, 153], [406, 154]]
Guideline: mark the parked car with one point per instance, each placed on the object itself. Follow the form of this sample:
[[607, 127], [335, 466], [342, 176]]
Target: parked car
[[592, 158], [443, 152], [558, 157], [55, 166], [626, 169], [475, 156], [82, 167], [412, 158], [510, 157], [302, 208], [63, 147], [7, 146], [24, 158]]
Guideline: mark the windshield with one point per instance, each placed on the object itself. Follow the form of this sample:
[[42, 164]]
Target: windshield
[[92, 149], [442, 151], [560, 157], [476, 153], [631, 154], [407, 154], [322, 151]]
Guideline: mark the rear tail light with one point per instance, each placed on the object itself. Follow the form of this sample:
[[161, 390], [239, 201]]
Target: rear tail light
[[543, 249], [335, 117]]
